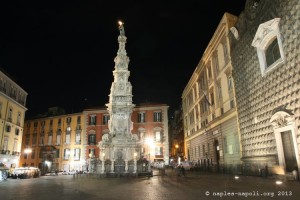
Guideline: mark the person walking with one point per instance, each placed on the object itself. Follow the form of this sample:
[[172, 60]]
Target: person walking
[[182, 170]]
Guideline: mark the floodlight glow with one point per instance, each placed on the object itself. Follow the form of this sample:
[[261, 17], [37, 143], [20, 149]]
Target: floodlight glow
[[278, 182], [236, 177], [27, 150], [149, 141]]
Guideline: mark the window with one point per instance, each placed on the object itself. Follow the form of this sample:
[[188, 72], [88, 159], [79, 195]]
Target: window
[[42, 138], [212, 98], [225, 145], [105, 119], [141, 135], [17, 131], [208, 149], [43, 124], [141, 117], [67, 154], [219, 90], [91, 152], [35, 124], [50, 139], [78, 137], [34, 139], [15, 147], [268, 44], [68, 135], [51, 123], [33, 154], [191, 116], [68, 120], [209, 72], [229, 79], [77, 154], [225, 50], [189, 99], [203, 150], [272, 53], [59, 122], [9, 117], [216, 62], [19, 119], [157, 116], [231, 103], [158, 151], [157, 136], [78, 119], [58, 137], [92, 139], [92, 120], [8, 128], [5, 144], [27, 139]]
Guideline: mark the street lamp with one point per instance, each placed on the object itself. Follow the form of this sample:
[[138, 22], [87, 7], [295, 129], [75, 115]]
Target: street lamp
[[27, 151], [177, 156], [150, 144]]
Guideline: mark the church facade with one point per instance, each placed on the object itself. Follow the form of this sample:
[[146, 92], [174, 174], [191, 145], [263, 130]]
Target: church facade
[[266, 71]]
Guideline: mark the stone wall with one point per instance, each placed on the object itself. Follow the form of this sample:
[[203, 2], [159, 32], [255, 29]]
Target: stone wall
[[259, 97]]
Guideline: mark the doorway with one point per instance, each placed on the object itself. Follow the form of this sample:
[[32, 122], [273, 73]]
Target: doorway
[[217, 153], [288, 151]]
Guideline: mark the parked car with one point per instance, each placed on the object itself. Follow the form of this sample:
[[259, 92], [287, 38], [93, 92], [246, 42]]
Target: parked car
[[4, 172], [187, 165]]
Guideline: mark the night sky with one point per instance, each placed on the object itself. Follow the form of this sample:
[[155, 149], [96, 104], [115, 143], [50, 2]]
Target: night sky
[[61, 52]]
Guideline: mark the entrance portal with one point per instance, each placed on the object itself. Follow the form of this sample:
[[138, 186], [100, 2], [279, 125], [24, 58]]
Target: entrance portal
[[288, 151], [286, 143]]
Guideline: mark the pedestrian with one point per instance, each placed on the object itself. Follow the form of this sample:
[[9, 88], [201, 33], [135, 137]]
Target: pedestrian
[[182, 170]]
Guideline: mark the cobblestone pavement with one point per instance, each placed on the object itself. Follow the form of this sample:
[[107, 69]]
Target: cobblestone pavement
[[195, 185]]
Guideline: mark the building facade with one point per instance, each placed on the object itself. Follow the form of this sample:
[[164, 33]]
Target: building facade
[[12, 115], [209, 112], [68, 142], [150, 125], [265, 57], [55, 142]]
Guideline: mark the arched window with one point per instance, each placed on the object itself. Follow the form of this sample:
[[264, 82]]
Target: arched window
[[268, 44]]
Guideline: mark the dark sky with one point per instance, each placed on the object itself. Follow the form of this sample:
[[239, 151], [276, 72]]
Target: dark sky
[[61, 52]]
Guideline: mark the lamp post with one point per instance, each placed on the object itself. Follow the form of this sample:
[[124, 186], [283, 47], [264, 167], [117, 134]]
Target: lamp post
[[91, 162], [177, 156], [27, 151], [150, 144], [102, 162], [134, 167]]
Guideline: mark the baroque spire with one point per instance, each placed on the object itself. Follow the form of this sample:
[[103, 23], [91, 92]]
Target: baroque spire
[[120, 98]]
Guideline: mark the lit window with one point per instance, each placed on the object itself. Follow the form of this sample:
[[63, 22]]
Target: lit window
[[77, 154], [67, 154]]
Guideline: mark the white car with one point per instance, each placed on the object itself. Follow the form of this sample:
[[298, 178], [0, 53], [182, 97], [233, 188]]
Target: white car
[[186, 165]]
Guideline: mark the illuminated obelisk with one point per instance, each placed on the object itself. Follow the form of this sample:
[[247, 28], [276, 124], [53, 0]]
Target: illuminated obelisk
[[119, 147]]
